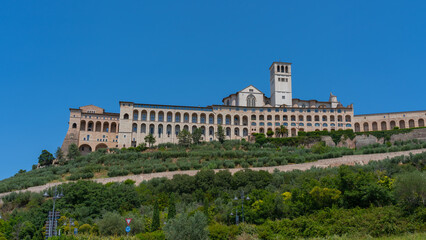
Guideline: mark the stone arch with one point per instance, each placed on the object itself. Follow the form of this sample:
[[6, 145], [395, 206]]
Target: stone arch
[[177, 117], [152, 116], [105, 127], [85, 149], [401, 124], [143, 128], [185, 127], [316, 118], [293, 132], [228, 120], [339, 118], [236, 131], [83, 125], [228, 132], [160, 130], [375, 128], [202, 118], [383, 126], [177, 130], [211, 131], [74, 125], [251, 100], [245, 121], [169, 117], [98, 126], [348, 118], [236, 120], [152, 129], [219, 119], [269, 117], [211, 118], [411, 123], [357, 127], [285, 118], [301, 118], [245, 132], [169, 130], [332, 118], [392, 125], [365, 127], [253, 117], [113, 127], [277, 117], [101, 145], [421, 122], [324, 118], [293, 118], [261, 130], [203, 130], [135, 115], [161, 116], [309, 118], [186, 117], [194, 118], [144, 115], [126, 116]]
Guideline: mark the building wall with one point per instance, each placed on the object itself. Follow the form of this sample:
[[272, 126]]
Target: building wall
[[102, 129], [137, 121], [387, 121]]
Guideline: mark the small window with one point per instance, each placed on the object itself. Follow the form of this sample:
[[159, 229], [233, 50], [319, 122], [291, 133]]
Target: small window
[[74, 125], [283, 97]]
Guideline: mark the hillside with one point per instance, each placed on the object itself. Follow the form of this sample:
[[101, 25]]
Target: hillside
[[380, 199], [170, 157]]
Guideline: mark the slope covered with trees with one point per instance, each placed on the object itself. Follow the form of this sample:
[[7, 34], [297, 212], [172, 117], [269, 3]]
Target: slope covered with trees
[[382, 198]]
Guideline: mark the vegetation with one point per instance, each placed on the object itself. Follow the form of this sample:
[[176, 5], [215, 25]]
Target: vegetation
[[206, 155], [45, 158], [380, 199]]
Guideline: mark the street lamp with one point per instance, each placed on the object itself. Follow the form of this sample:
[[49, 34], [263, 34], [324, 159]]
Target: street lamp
[[243, 198], [56, 195]]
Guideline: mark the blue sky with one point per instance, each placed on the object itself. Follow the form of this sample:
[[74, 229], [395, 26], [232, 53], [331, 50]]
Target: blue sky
[[60, 54]]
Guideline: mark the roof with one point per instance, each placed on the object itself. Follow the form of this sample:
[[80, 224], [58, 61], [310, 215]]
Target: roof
[[288, 63]]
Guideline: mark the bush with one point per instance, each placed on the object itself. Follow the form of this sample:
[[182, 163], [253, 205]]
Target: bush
[[187, 227]]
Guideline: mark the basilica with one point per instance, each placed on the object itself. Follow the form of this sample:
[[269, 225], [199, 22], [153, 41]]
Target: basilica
[[241, 114]]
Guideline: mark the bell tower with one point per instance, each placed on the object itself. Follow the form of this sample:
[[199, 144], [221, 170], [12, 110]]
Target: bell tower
[[280, 82]]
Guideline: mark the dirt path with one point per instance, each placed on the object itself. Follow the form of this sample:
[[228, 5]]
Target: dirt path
[[332, 162]]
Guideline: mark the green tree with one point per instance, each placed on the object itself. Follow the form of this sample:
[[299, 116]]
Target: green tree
[[111, 223], [155, 217], [196, 135], [186, 227], [410, 190], [172, 207], [59, 154], [220, 134], [45, 158], [270, 133], [150, 139], [73, 152], [184, 137]]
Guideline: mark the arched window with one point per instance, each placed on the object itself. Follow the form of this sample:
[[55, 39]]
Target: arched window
[[74, 125], [286, 69], [278, 68], [251, 101], [126, 116], [282, 68]]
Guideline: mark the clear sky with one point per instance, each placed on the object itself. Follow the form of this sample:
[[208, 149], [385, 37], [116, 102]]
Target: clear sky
[[60, 54]]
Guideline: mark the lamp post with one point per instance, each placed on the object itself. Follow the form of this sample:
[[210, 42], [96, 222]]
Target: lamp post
[[56, 195], [243, 198]]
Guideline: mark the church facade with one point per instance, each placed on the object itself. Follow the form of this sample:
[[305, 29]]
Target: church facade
[[241, 114]]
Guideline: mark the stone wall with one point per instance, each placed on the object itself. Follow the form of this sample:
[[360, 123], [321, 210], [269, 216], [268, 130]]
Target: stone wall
[[419, 134]]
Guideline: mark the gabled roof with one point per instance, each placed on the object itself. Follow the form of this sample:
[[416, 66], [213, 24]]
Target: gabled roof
[[243, 90]]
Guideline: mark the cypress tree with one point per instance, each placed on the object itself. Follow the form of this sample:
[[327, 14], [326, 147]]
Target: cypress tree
[[172, 207], [155, 218], [206, 208]]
